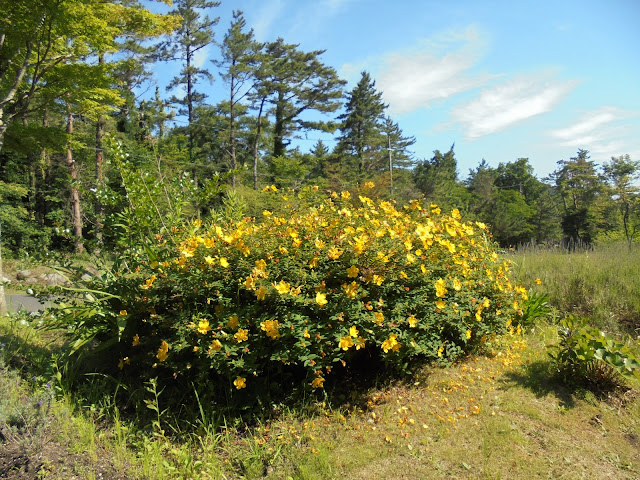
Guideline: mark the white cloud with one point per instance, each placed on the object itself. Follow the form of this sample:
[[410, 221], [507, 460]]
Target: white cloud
[[200, 57], [604, 132], [270, 12], [414, 79], [510, 102]]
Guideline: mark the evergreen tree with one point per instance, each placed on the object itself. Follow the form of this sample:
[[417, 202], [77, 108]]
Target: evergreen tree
[[194, 34], [362, 135], [397, 148], [296, 82], [622, 173], [437, 179], [239, 51], [577, 184]]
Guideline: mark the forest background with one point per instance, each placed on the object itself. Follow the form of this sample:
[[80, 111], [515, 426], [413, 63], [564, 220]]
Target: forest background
[[87, 162]]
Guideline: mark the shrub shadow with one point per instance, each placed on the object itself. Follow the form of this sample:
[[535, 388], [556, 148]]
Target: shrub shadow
[[539, 378]]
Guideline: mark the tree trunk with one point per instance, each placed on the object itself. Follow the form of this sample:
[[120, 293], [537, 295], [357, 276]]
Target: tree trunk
[[232, 132], [43, 179], [99, 208], [3, 300], [278, 128], [255, 146], [390, 166], [74, 197]]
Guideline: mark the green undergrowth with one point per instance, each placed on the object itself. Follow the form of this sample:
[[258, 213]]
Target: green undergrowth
[[501, 415], [601, 284]]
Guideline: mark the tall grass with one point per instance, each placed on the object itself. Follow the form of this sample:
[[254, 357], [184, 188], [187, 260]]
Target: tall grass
[[602, 284]]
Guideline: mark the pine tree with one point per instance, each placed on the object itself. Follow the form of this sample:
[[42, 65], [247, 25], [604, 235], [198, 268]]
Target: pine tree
[[296, 82], [578, 185], [397, 147], [361, 129], [194, 34], [239, 51]]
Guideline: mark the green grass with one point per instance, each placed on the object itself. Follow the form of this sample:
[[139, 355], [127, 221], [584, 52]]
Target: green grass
[[502, 415], [601, 284]]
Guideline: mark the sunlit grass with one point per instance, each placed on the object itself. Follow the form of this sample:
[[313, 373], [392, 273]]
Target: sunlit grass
[[601, 284]]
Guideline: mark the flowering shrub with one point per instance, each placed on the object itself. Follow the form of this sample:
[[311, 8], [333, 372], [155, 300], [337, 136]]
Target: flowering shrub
[[311, 287]]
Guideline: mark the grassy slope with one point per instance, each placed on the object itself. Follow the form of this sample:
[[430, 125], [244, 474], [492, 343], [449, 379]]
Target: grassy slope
[[501, 416]]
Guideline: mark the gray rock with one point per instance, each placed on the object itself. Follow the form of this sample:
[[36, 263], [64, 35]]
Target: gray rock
[[4, 279], [23, 274], [53, 279]]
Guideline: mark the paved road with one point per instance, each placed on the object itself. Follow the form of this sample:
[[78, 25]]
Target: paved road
[[16, 302]]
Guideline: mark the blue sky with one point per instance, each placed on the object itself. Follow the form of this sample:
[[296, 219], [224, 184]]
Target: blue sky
[[501, 79]]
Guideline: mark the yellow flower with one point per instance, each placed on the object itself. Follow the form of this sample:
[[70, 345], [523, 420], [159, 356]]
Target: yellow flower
[[209, 260], [319, 244], [282, 287], [163, 351], [345, 343], [283, 250], [378, 279], [123, 313], [261, 293], [305, 334], [360, 246], [411, 258], [455, 213], [321, 299], [350, 290], [538, 281], [441, 290], [441, 304], [250, 283], [378, 318], [223, 262], [403, 275], [353, 331], [233, 322], [334, 253], [136, 340], [369, 185], [149, 282], [468, 334], [353, 271], [271, 328], [240, 382], [313, 263], [203, 327], [215, 346], [440, 350], [317, 382], [391, 344], [345, 195], [124, 361], [241, 335], [360, 341], [486, 302], [413, 321], [457, 284], [479, 314], [266, 213]]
